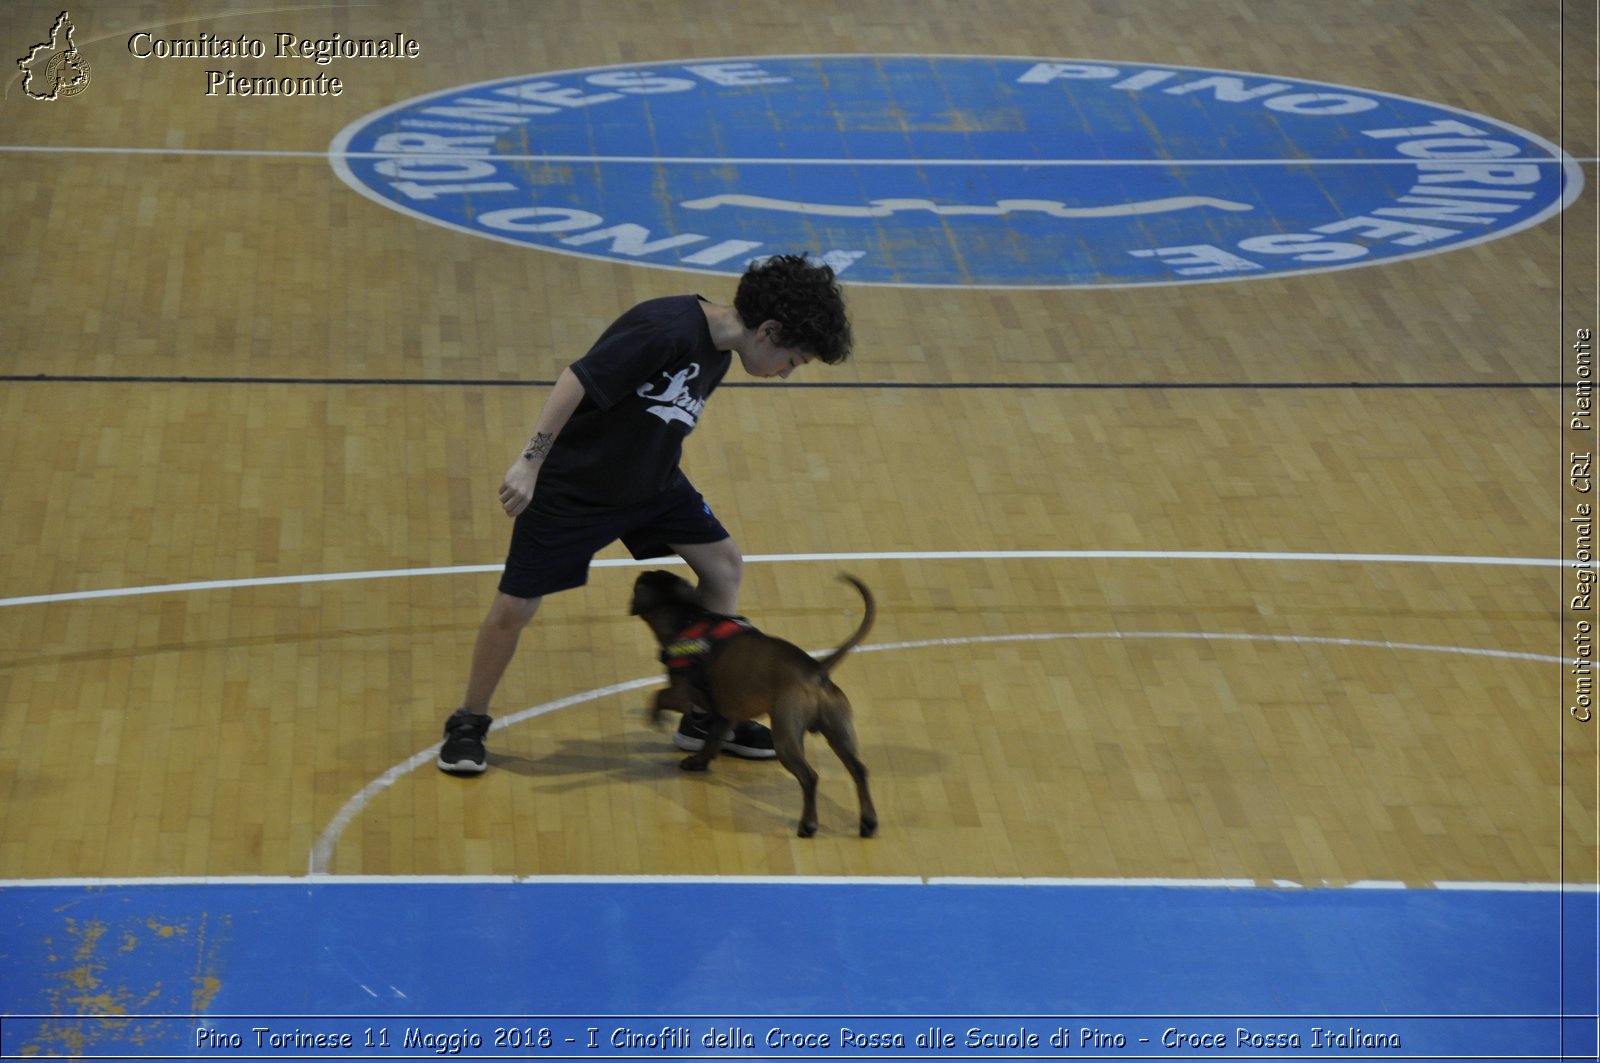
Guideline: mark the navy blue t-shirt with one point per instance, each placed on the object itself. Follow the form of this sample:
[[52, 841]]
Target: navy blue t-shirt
[[645, 381]]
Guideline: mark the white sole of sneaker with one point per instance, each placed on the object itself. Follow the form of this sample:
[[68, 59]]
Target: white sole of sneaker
[[461, 767], [695, 745]]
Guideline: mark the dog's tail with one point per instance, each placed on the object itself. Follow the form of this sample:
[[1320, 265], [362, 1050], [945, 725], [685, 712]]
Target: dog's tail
[[853, 641]]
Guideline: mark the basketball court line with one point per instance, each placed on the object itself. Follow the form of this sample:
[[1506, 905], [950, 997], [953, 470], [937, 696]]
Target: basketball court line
[[913, 555], [322, 849], [835, 881], [736, 160], [833, 385]]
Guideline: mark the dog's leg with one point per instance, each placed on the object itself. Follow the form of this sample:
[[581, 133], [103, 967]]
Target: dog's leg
[[715, 730], [677, 697], [836, 725], [788, 741]]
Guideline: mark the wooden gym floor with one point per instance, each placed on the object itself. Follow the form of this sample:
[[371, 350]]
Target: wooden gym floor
[[1227, 701]]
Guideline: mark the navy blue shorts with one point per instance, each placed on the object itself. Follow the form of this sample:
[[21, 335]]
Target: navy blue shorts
[[547, 557]]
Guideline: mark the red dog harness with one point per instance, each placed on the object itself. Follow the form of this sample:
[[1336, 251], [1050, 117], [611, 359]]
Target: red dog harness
[[693, 647]]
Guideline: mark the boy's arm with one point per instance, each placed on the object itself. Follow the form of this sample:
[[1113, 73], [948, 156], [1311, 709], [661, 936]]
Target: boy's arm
[[516, 490]]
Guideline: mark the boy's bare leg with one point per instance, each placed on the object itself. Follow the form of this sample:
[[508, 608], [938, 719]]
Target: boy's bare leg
[[496, 645], [719, 567], [462, 752]]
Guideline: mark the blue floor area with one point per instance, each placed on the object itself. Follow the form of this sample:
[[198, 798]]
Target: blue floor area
[[623, 969], [996, 171]]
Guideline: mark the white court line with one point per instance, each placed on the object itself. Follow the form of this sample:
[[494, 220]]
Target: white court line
[[912, 555], [322, 850], [765, 880], [256, 581], [733, 160]]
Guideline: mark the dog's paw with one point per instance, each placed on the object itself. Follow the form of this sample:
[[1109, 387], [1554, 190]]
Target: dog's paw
[[694, 763], [869, 827], [808, 830]]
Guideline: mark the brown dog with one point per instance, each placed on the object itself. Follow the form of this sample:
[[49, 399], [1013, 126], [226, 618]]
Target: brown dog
[[750, 674]]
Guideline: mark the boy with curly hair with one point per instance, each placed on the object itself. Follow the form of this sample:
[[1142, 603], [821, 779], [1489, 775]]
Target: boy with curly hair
[[603, 465]]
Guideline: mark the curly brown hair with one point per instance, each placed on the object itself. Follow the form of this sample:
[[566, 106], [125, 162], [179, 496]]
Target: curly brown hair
[[803, 299]]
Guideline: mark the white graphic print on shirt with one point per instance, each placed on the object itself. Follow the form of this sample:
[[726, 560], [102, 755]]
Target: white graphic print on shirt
[[674, 402]]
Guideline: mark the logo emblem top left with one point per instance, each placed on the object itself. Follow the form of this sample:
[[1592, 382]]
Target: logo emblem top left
[[55, 69]]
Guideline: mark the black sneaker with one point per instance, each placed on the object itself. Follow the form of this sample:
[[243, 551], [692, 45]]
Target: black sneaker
[[746, 738], [462, 751]]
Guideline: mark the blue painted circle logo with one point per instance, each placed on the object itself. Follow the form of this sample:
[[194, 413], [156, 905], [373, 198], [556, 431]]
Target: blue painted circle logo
[[957, 171]]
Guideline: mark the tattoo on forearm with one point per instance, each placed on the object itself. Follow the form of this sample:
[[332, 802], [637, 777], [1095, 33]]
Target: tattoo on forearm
[[538, 446]]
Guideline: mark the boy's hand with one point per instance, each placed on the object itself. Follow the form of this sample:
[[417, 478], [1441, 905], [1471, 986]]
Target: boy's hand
[[516, 490]]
